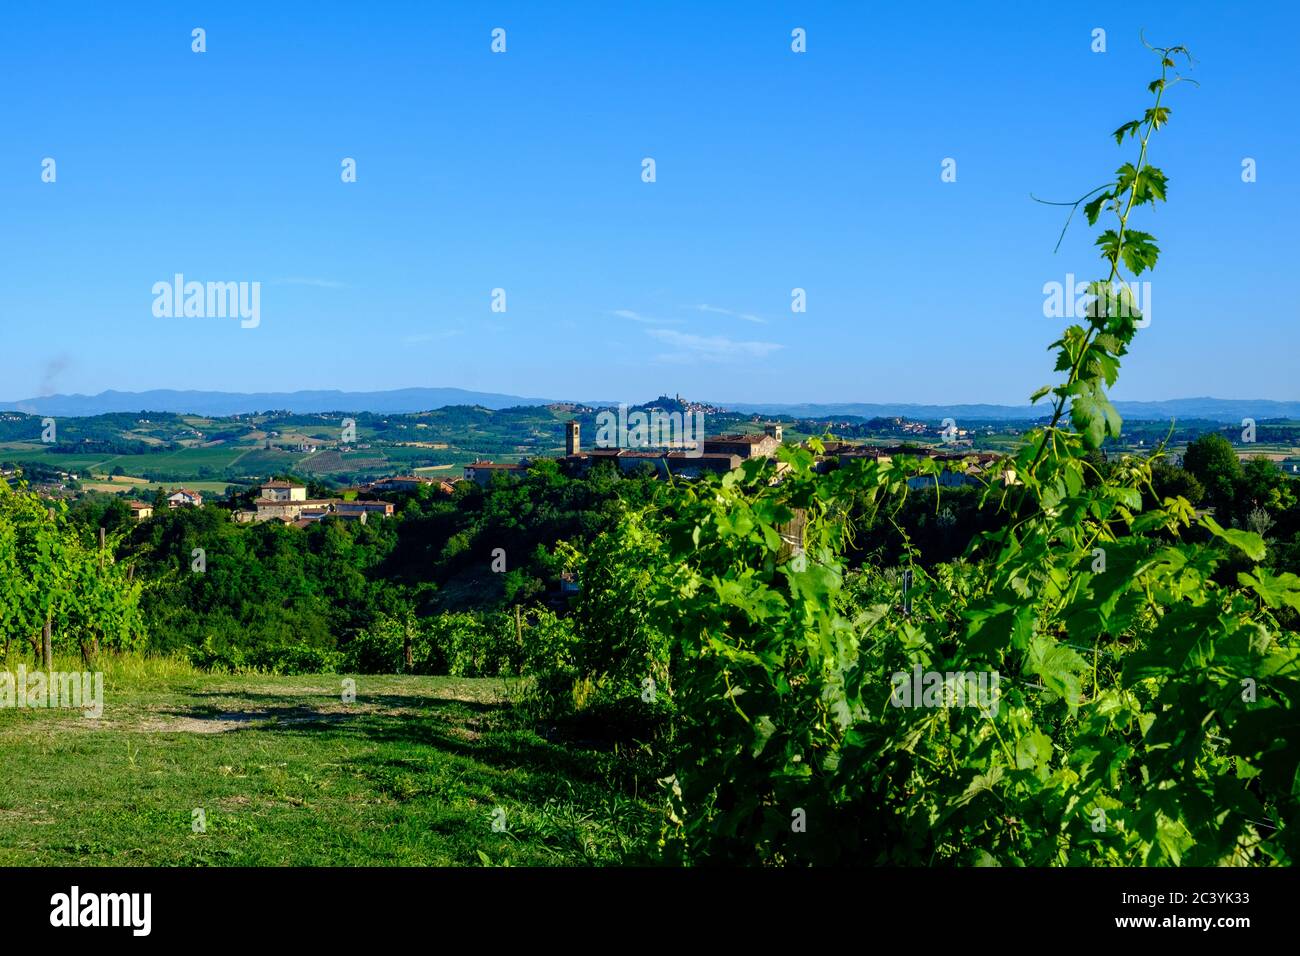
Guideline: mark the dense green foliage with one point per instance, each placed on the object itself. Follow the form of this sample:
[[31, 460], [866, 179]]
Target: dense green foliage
[[1147, 702], [457, 643], [271, 596], [49, 576]]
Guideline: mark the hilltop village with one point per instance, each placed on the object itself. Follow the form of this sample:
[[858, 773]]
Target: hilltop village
[[287, 500], [302, 468], [719, 454]]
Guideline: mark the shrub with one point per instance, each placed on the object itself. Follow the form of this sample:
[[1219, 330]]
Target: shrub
[[460, 644], [297, 659]]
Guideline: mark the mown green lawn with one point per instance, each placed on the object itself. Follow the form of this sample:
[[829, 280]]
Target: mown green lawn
[[416, 772]]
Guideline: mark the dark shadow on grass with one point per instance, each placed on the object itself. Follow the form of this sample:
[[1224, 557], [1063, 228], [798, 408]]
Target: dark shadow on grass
[[388, 701], [473, 731]]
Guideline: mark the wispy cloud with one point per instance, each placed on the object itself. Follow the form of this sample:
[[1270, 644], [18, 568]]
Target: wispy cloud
[[643, 319], [718, 310], [712, 348], [304, 280]]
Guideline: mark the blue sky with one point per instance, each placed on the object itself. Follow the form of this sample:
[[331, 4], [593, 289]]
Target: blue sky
[[522, 171]]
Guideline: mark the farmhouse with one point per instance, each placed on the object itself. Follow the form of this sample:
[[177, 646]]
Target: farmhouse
[[311, 516], [399, 483], [482, 471], [975, 463], [139, 510], [184, 498], [313, 509], [717, 455], [346, 508], [283, 491], [678, 463], [746, 446], [286, 509]]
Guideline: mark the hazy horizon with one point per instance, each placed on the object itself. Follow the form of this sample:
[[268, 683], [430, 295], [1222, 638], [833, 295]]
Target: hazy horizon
[[218, 404]]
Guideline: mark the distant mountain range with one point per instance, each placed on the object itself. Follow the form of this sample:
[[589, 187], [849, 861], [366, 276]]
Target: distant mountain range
[[1213, 409], [219, 404], [404, 400]]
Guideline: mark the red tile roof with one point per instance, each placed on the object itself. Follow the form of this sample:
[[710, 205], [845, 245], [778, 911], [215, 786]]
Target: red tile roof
[[748, 438]]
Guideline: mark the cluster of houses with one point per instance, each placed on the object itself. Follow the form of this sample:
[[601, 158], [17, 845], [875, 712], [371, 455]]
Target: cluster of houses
[[723, 453], [976, 465], [717, 455], [410, 483], [180, 498], [284, 501], [287, 501]]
